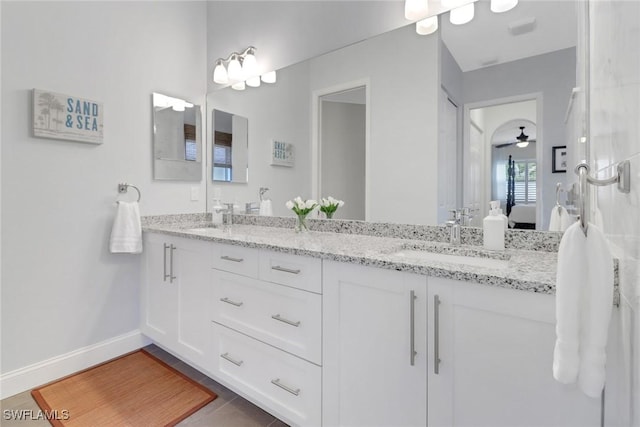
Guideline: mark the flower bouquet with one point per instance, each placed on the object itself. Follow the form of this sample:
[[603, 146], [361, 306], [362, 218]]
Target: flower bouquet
[[301, 208], [329, 206]]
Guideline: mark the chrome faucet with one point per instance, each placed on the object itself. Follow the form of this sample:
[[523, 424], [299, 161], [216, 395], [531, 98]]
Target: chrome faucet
[[251, 208], [454, 226]]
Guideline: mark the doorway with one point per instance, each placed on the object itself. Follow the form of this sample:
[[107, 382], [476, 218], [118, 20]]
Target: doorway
[[342, 150]]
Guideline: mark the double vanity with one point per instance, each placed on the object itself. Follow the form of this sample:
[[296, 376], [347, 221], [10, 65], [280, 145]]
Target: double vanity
[[347, 325]]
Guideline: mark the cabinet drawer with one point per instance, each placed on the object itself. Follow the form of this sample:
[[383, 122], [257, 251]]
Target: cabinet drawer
[[286, 318], [289, 387], [292, 270], [236, 259]]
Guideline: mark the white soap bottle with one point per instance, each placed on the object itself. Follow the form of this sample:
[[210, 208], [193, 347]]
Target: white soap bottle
[[493, 229], [216, 212]]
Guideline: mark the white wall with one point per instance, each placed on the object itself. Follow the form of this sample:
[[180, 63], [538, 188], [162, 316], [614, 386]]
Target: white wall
[[343, 156], [61, 288], [553, 74], [615, 109]]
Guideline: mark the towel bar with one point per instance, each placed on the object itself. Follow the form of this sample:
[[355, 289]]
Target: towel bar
[[622, 178], [123, 187]]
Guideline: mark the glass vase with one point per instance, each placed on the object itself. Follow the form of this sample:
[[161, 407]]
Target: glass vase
[[301, 224]]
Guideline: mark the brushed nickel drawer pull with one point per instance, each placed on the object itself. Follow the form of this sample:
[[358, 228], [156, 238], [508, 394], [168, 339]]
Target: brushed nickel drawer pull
[[226, 356], [228, 301], [285, 270], [229, 258], [277, 382], [287, 321], [412, 328]]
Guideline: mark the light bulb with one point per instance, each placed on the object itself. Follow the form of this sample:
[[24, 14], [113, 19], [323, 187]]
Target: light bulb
[[269, 77], [462, 15], [238, 86], [220, 73], [415, 10], [427, 26], [253, 81], [234, 70], [499, 6], [522, 144], [250, 65]]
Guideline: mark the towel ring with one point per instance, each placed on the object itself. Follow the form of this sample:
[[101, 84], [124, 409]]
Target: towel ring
[[123, 187], [622, 178]]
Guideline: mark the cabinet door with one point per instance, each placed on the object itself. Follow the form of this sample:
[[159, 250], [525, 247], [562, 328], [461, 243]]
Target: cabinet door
[[371, 323], [159, 294], [496, 351], [192, 264]]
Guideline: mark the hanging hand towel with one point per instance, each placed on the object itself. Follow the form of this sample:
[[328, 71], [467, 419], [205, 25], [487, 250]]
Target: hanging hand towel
[[584, 295], [126, 234], [560, 219]]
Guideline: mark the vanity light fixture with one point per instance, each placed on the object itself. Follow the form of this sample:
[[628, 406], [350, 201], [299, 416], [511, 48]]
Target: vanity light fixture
[[427, 26], [241, 70], [269, 77], [500, 6], [415, 10], [463, 14]]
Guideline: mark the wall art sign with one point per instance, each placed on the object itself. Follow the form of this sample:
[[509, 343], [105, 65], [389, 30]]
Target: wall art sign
[[67, 117], [281, 153], [559, 159]]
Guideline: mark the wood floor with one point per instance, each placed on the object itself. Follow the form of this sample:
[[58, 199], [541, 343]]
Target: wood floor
[[228, 410]]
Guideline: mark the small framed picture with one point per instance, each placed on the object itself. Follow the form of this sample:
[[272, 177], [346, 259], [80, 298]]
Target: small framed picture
[[559, 159], [281, 153]]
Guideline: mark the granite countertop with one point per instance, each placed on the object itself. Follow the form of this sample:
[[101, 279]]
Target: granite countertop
[[527, 270]]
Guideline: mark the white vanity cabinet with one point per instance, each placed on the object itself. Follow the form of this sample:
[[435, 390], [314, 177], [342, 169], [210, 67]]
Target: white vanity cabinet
[[495, 351], [266, 309], [175, 295], [374, 347]]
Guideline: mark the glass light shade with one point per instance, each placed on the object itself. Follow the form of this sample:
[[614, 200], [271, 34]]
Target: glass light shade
[[250, 65], [522, 144], [234, 69], [451, 4], [238, 86], [462, 15], [220, 74], [253, 81], [499, 6], [427, 26], [415, 10], [178, 105], [269, 77]]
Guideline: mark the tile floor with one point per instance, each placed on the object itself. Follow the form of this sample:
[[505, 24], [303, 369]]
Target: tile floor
[[228, 410]]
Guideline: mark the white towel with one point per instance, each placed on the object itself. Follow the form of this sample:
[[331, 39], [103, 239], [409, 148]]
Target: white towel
[[560, 219], [584, 296], [126, 234]]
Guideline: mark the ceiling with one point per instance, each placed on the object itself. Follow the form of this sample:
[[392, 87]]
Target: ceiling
[[486, 39]]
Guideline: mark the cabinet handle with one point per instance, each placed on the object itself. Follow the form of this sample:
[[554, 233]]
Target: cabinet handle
[[287, 321], [226, 356], [436, 334], [293, 391], [286, 270], [164, 263], [228, 301], [412, 327], [171, 276], [228, 258]]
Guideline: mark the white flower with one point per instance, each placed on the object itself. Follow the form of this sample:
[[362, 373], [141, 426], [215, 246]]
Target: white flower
[[289, 204], [340, 203], [300, 204], [298, 200], [310, 203], [332, 200]]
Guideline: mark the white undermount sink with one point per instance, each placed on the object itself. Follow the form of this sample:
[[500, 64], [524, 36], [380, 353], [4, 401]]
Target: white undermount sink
[[476, 261]]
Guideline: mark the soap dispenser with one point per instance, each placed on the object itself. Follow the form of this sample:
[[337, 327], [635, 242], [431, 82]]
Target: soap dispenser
[[493, 228], [216, 212]]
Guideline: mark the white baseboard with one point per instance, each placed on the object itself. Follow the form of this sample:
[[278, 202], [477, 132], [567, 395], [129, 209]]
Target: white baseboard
[[31, 376]]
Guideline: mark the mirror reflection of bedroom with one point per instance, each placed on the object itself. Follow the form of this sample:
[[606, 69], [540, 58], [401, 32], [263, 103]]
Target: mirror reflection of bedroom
[[510, 130]]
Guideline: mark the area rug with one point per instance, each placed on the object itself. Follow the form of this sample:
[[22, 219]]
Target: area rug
[[136, 389]]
